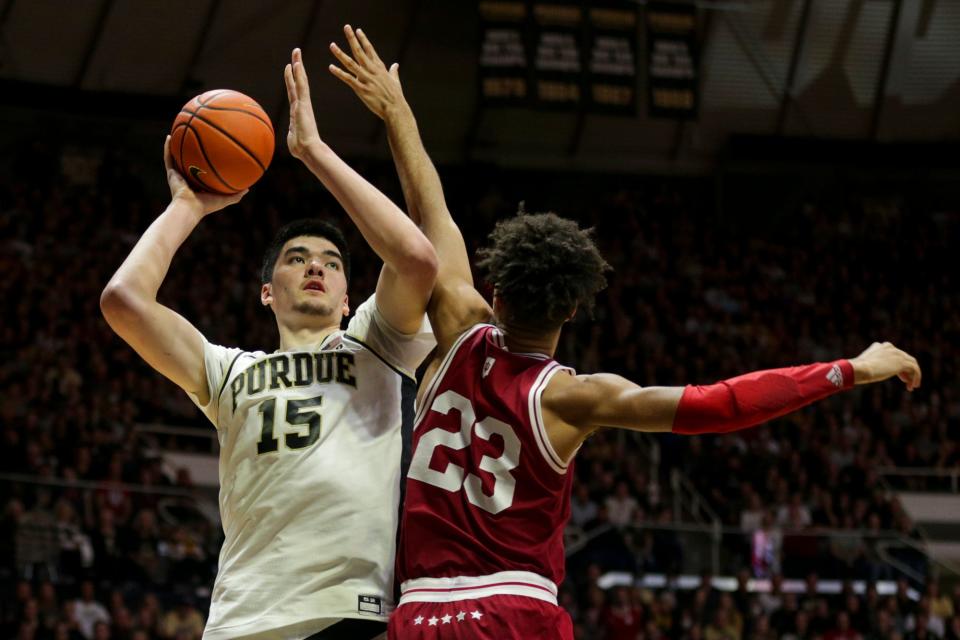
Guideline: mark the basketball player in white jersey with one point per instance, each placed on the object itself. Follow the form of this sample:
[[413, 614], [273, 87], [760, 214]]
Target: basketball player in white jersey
[[310, 434], [481, 549]]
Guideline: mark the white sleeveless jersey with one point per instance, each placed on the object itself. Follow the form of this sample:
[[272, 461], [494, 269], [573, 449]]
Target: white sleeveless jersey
[[310, 477]]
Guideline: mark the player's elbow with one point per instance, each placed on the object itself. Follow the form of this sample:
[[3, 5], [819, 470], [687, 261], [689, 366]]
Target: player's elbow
[[118, 304], [421, 261]]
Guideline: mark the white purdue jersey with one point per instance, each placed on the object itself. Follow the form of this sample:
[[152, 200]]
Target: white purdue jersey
[[310, 457]]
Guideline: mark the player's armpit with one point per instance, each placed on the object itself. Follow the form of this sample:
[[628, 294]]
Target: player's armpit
[[454, 307], [574, 407], [162, 337]]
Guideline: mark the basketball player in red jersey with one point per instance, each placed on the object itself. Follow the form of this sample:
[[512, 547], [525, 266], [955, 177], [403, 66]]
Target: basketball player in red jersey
[[499, 421]]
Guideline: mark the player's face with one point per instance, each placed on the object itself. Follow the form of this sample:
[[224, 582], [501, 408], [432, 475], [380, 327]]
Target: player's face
[[309, 284]]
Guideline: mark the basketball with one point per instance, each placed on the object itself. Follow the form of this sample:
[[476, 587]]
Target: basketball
[[222, 141]]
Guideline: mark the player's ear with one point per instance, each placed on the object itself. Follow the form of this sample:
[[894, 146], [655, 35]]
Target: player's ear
[[346, 306], [266, 294], [573, 314]]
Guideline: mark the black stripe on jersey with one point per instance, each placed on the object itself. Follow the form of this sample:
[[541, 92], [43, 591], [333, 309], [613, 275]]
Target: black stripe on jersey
[[406, 376], [408, 396], [223, 385]]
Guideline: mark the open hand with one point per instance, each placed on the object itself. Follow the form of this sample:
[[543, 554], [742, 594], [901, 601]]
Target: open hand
[[367, 75], [303, 133], [180, 189], [883, 360]]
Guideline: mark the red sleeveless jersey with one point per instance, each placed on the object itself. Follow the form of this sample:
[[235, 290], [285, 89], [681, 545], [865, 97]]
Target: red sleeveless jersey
[[485, 492]]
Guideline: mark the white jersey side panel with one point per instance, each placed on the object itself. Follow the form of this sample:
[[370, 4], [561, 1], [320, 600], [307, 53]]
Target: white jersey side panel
[[310, 477]]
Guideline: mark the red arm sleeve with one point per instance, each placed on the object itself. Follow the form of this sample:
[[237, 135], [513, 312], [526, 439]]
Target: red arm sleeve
[[757, 397]]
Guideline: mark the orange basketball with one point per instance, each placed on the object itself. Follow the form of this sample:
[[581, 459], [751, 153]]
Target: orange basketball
[[222, 141]]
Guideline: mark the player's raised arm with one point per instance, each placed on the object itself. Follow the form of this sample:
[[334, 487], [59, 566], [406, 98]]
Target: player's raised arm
[[455, 304], [162, 337], [410, 262], [588, 402]]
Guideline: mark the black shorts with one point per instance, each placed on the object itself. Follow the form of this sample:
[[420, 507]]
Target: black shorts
[[351, 629]]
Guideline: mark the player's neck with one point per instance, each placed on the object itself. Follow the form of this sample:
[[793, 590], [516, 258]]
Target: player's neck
[[519, 340], [304, 338]]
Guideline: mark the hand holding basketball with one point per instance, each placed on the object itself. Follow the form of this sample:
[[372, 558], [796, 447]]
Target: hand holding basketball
[[180, 189], [367, 75], [303, 133]]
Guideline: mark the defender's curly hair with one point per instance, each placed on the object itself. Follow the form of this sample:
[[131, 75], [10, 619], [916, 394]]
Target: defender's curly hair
[[543, 267]]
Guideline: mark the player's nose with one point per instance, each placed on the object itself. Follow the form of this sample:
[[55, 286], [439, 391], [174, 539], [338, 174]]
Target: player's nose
[[314, 267]]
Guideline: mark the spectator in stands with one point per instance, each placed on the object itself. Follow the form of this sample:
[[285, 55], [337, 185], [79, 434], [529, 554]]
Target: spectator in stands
[[841, 629], [583, 510], [940, 604], [88, 611], [621, 506], [183, 622], [721, 627], [800, 630]]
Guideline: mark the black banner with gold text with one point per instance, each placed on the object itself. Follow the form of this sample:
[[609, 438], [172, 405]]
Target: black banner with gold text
[[673, 66]]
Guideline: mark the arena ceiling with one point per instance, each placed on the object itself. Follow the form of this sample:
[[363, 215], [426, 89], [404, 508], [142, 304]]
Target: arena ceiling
[[886, 70]]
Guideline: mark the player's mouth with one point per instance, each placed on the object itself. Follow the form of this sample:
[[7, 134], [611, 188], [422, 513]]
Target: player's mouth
[[314, 285]]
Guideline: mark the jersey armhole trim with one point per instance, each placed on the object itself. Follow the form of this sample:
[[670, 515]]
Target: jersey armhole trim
[[536, 418], [441, 371], [226, 378], [394, 368]]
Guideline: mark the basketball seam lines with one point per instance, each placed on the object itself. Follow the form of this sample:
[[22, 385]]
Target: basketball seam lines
[[196, 114], [218, 93], [249, 113], [209, 164]]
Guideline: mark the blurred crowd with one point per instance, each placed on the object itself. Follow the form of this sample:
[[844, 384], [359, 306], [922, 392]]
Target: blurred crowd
[[633, 613], [696, 294]]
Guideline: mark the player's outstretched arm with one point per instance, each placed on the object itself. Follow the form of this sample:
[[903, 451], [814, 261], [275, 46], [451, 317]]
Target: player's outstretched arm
[[410, 262], [577, 406], [455, 305], [162, 337]]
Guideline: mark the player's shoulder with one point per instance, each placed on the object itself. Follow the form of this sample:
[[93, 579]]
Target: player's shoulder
[[570, 396]]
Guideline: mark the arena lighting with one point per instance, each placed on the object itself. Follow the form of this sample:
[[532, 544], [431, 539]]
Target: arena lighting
[[729, 583]]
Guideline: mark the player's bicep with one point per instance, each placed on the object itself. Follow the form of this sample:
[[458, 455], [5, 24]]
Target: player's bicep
[[402, 298], [163, 338], [455, 306], [608, 400]]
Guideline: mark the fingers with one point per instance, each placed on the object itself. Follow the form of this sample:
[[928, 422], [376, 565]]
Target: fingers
[[348, 63], [367, 46], [290, 83], [355, 47], [395, 71], [302, 85], [235, 198], [348, 79], [167, 158]]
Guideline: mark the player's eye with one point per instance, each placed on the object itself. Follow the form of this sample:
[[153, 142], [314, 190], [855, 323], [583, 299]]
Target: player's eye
[[297, 259], [334, 265]]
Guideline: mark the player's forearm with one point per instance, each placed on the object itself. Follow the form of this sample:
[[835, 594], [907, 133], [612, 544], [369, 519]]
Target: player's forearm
[[421, 184], [401, 125], [757, 397], [141, 274], [423, 192], [390, 233]]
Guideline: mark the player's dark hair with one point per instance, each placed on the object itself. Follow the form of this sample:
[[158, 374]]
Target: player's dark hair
[[304, 227], [543, 267]]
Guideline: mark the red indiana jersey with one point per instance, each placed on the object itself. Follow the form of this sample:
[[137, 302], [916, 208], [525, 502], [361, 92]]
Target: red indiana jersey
[[485, 493]]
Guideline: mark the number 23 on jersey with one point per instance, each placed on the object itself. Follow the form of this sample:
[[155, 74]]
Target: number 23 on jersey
[[455, 478]]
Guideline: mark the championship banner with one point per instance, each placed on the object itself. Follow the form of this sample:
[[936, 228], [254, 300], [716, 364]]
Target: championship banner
[[557, 36], [504, 60], [612, 56], [673, 72]]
